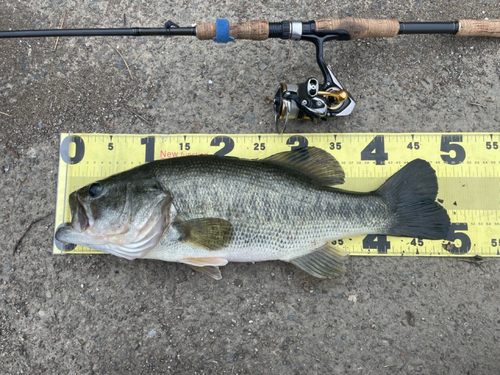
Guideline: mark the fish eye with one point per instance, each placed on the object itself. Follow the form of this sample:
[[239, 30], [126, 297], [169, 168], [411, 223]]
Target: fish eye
[[95, 190], [156, 185]]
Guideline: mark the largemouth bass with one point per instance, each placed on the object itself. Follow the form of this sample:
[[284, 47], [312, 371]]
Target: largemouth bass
[[206, 211]]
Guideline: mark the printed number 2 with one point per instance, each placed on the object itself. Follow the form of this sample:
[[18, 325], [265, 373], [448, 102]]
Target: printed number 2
[[228, 145]]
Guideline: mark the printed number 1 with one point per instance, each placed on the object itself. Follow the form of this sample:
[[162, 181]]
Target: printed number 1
[[150, 148]]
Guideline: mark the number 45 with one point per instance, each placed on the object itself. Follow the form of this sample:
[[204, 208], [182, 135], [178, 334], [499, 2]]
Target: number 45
[[413, 145]]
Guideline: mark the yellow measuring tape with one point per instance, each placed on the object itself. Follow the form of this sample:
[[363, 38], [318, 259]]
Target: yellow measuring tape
[[467, 166]]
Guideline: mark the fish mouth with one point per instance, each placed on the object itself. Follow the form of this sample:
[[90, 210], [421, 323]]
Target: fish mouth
[[79, 217], [81, 220]]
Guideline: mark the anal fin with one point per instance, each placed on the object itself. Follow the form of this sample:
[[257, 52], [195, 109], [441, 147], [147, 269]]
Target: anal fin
[[326, 261], [213, 272]]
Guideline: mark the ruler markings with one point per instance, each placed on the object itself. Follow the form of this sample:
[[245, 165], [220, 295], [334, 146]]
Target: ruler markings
[[111, 153]]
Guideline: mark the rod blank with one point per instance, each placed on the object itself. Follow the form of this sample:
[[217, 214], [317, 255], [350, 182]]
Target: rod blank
[[428, 27], [98, 32]]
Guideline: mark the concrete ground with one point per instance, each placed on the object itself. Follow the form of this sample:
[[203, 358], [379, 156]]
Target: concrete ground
[[105, 315]]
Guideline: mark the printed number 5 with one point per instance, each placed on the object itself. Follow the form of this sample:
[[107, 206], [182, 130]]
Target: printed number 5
[[453, 234], [448, 146]]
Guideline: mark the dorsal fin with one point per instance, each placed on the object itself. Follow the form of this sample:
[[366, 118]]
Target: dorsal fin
[[317, 164]]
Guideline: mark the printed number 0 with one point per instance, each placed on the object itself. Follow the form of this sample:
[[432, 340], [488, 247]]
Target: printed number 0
[[79, 149]]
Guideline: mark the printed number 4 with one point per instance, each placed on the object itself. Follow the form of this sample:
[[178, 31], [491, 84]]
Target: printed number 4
[[375, 150], [378, 242]]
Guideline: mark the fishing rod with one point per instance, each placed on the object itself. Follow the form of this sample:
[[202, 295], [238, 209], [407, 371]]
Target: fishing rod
[[312, 99]]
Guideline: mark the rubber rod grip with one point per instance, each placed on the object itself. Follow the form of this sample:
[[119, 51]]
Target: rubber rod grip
[[254, 30], [360, 28], [479, 28]]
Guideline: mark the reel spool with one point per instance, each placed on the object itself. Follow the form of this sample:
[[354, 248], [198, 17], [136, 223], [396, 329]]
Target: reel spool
[[306, 102]]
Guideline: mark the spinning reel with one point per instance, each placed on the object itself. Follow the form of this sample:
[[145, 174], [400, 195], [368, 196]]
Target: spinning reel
[[312, 100]]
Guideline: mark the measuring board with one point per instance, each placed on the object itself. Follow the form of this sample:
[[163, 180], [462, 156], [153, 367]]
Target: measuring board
[[467, 166]]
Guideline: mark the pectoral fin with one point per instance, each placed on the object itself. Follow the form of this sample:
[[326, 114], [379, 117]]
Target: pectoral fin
[[206, 233], [327, 261], [213, 272]]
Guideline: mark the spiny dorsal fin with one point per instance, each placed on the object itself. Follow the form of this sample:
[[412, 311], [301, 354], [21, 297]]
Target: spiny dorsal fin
[[207, 233], [318, 164], [326, 261]]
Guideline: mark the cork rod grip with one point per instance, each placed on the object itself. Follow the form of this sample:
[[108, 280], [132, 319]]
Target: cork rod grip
[[479, 28], [254, 30], [360, 28]]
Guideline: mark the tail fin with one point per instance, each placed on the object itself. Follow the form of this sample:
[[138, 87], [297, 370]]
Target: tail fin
[[411, 192]]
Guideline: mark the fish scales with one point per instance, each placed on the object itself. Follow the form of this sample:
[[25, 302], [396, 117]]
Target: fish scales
[[206, 211], [276, 213]]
